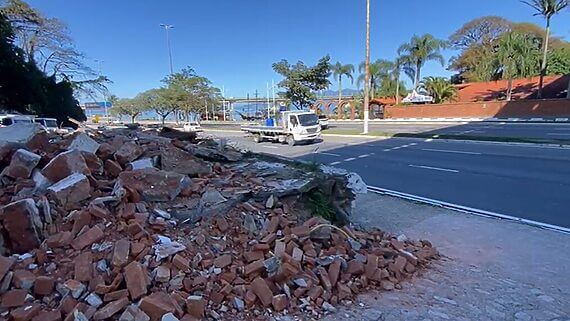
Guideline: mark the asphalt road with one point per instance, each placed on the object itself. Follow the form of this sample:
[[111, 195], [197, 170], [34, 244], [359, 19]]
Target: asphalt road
[[519, 130], [527, 181], [487, 129]]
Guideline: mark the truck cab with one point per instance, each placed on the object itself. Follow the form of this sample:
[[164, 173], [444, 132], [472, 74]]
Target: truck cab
[[302, 126]]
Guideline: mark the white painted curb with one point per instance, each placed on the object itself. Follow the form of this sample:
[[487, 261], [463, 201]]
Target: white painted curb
[[465, 209]]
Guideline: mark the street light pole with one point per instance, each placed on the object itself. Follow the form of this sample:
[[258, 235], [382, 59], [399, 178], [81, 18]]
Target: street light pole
[[367, 69], [100, 62], [166, 28]]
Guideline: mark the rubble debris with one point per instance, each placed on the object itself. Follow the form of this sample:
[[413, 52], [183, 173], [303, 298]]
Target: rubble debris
[[138, 227]]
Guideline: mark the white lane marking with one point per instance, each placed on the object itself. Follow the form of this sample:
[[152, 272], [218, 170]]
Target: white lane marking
[[558, 134], [450, 151], [349, 159], [363, 156], [428, 140], [334, 163], [395, 148], [272, 147], [329, 154], [435, 168], [466, 209], [413, 144], [388, 150]]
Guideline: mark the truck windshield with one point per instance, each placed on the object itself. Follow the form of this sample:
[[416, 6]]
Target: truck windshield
[[308, 119], [50, 123]]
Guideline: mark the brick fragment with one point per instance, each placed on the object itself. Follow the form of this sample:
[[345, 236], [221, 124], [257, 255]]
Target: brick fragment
[[355, 267], [136, 279], [181, 262], [14, 298], [254, 267], [6, 264], [26, 312], [116, 295], [111, 309], [156, 305], [93, 235], [53, 315], [22, 223], [84, 266], [280, 302], [223, 261], [44, 285], [196, 306], [262, 291], [121, 253]]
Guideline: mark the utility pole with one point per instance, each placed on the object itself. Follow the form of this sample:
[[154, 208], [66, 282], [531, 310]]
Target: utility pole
[[248, 102], [100, 62], [268, 110], [166, 28], [367, 69], [256, 95], [224, 101]]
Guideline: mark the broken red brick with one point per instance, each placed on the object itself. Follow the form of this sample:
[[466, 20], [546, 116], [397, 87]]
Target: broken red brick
[[111, 309], [87, 238], [44, 285], [262, 291], [156, 305], [83, 266], [26, 312], [54, 315], [13, 298], [223, 261], [136, 279], [121, 253], [280, 302], [254, 267]]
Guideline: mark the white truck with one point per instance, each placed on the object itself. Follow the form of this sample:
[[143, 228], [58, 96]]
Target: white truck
[[294, 127]]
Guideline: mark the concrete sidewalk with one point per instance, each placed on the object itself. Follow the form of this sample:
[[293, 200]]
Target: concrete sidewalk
[[491, 269]]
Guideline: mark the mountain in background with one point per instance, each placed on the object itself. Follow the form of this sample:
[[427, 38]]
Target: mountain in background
[[345, 92]]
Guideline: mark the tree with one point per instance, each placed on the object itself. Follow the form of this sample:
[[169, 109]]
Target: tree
[[301, 82], [418, 51], [190, 92], [517, 56], [26, 89], [559, 61], [440, 88], [379, 70], [47, 43], [339, 70], [131, 107], [546, 9], [481, 31]]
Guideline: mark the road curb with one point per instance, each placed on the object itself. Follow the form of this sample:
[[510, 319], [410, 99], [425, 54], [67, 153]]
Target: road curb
[[466, 209]]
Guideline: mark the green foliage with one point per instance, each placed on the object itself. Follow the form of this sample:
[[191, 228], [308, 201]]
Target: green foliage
[[440, 88], [483, 31], [25, 88], [518, 56], [339, 70], [319, 205], [379, 70], [559, 61], [301, 82], [417, 52], [131, 107], [190, 92], [47, 43], [547, 8], [389, 88]]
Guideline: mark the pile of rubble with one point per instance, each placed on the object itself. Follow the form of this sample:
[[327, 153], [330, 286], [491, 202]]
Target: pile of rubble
[[137, 226]]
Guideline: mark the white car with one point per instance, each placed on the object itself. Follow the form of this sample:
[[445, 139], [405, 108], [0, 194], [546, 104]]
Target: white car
[[10, 119], [324, 121], [192, 127], [50, 124]]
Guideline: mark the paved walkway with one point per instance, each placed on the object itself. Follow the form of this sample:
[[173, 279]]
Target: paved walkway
[[491, 270]]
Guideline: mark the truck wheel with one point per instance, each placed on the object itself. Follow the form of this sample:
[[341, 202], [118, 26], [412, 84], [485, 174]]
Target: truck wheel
[[290, 140], [257, 138]]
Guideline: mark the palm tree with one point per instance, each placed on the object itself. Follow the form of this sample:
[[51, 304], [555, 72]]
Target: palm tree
[[515, 57], [339, 70], [418, 51], [547, 9], [379, 70], [440, 88]]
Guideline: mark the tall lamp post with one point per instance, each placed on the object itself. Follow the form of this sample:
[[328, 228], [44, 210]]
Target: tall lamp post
[[166, 28], [367, 69], [100, 62]]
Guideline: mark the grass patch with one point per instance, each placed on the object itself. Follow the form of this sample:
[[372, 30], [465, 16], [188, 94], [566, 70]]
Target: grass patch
[[319, 205]]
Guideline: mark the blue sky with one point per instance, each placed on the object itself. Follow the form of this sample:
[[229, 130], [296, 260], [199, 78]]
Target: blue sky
[[234, 42]]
